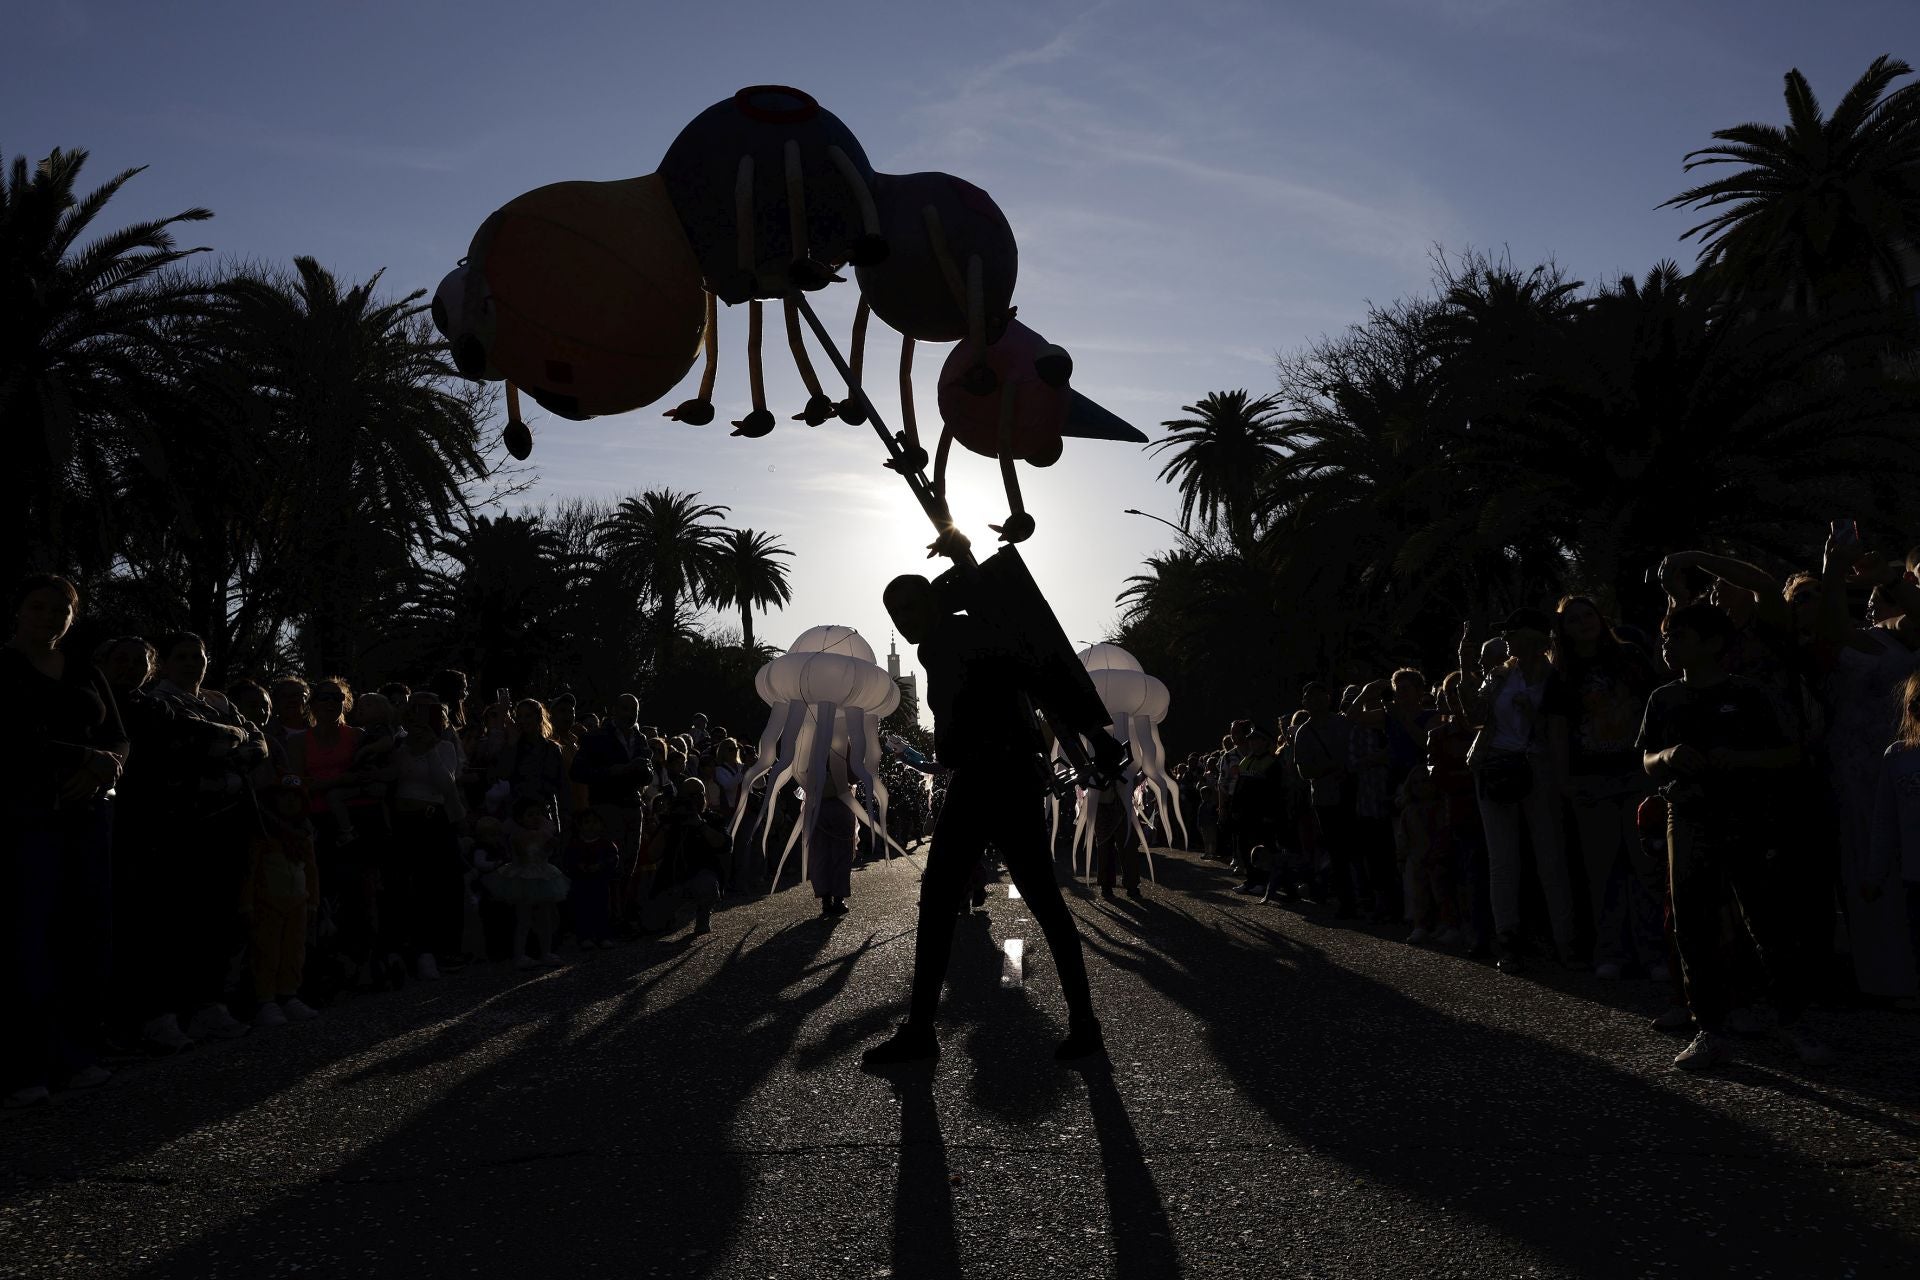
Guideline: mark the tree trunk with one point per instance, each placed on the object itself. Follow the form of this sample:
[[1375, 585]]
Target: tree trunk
[[746, 624]]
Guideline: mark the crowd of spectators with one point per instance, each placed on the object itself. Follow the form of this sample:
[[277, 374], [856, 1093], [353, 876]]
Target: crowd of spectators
[[1730, 808], [187, 864]]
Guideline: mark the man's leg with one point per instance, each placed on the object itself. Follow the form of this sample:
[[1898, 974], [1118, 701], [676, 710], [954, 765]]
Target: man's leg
[[1698, 893], [1018, 835], [958, 841]]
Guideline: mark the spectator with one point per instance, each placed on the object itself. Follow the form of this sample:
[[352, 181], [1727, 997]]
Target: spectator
[[1322, 749], [1894, 864], [591, 865], [1714, 742], [282, 888], [1607, 683], [689, 857], [425, 889], [616, 764], [1519, 761], [530, 763], [208, 843], [64, 752], [531, 882]]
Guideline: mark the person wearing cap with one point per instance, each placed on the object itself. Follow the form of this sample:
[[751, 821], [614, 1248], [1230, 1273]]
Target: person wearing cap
[[1519, 762], [283, 885]]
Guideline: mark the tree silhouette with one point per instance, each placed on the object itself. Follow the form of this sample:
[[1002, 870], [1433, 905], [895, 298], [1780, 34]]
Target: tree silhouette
[[749, 575], [1221, 454], [663, 546], [1824, 205], [78, 351]]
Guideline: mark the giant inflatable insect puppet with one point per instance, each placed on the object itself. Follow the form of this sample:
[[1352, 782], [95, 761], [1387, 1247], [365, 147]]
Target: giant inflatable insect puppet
[[598, 297]]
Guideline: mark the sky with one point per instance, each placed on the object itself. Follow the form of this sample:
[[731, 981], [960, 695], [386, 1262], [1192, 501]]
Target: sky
[[1194, 187]]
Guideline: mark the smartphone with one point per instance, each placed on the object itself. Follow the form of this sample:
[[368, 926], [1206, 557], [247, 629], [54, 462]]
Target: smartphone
[[503, 696], [1846, 532]]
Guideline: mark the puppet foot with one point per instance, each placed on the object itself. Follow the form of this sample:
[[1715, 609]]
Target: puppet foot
[[909, 461], [852, 412], [807, 274], [1018, 528], [909, 1045], [697, 413], [1083, 1041], [518, 439], [754, 425], [818, 410]]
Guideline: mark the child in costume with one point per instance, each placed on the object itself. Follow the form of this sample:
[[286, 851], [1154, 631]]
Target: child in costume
[[530, 881], [283, 886]]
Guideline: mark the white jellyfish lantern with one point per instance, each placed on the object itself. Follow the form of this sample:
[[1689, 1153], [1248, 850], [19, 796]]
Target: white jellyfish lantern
[[827, 697], [1137, 703]]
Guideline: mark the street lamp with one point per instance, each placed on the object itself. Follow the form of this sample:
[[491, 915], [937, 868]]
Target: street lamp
[[1134, 511]]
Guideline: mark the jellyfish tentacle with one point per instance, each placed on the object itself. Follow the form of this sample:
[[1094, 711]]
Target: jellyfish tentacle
[[698, 411], [819, 408], [759, 421]]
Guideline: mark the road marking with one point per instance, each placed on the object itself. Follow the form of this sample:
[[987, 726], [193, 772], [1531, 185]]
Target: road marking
[[1011, 972], [1013, 891]]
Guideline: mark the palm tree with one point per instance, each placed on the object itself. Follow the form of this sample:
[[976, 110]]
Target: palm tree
[[1222, 454], [369, 416], [750, 576], [661, 547], [493, 600], [77, 348], [1825, 205]]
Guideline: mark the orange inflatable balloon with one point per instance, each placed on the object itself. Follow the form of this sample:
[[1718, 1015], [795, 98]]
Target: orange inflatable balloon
[[594, 295]]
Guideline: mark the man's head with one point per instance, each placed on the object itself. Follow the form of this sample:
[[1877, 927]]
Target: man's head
[[1526, 632], [626, 711], [914, 606], [250, 700], [693, 794], [1316, 698], [1694, 637]]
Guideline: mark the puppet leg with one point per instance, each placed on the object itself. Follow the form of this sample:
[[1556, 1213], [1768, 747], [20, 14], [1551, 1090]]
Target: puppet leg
[[912, 456], [819, 408], [1019, 525], [853, 410], [699, 410], [802, 270], [759, 422], [870, 248]]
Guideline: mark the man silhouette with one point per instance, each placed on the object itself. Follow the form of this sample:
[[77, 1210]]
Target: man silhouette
[[978, 682]]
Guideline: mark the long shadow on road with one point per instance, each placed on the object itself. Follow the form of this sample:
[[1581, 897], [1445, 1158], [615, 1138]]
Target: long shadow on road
[[1586, 1165], [603, 1132]]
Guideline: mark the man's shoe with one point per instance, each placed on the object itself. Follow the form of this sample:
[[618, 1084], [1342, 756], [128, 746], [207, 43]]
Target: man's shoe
[[1810, 1048], [31, 1096], [163, 1035], [1658, 972], [215, 1023], [269, 1014], [1083, 1041], [1676, 1020], [1606, 971], [426, 968], [1418, 936], [1133, 891], [297, 1010], [1106, 891], [88, 1078], [908, 1045], [702, 923], [1704, 1052], [1506, 954]]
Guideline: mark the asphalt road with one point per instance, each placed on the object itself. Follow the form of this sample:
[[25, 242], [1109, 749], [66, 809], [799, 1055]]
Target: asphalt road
[[1285, 1098]]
